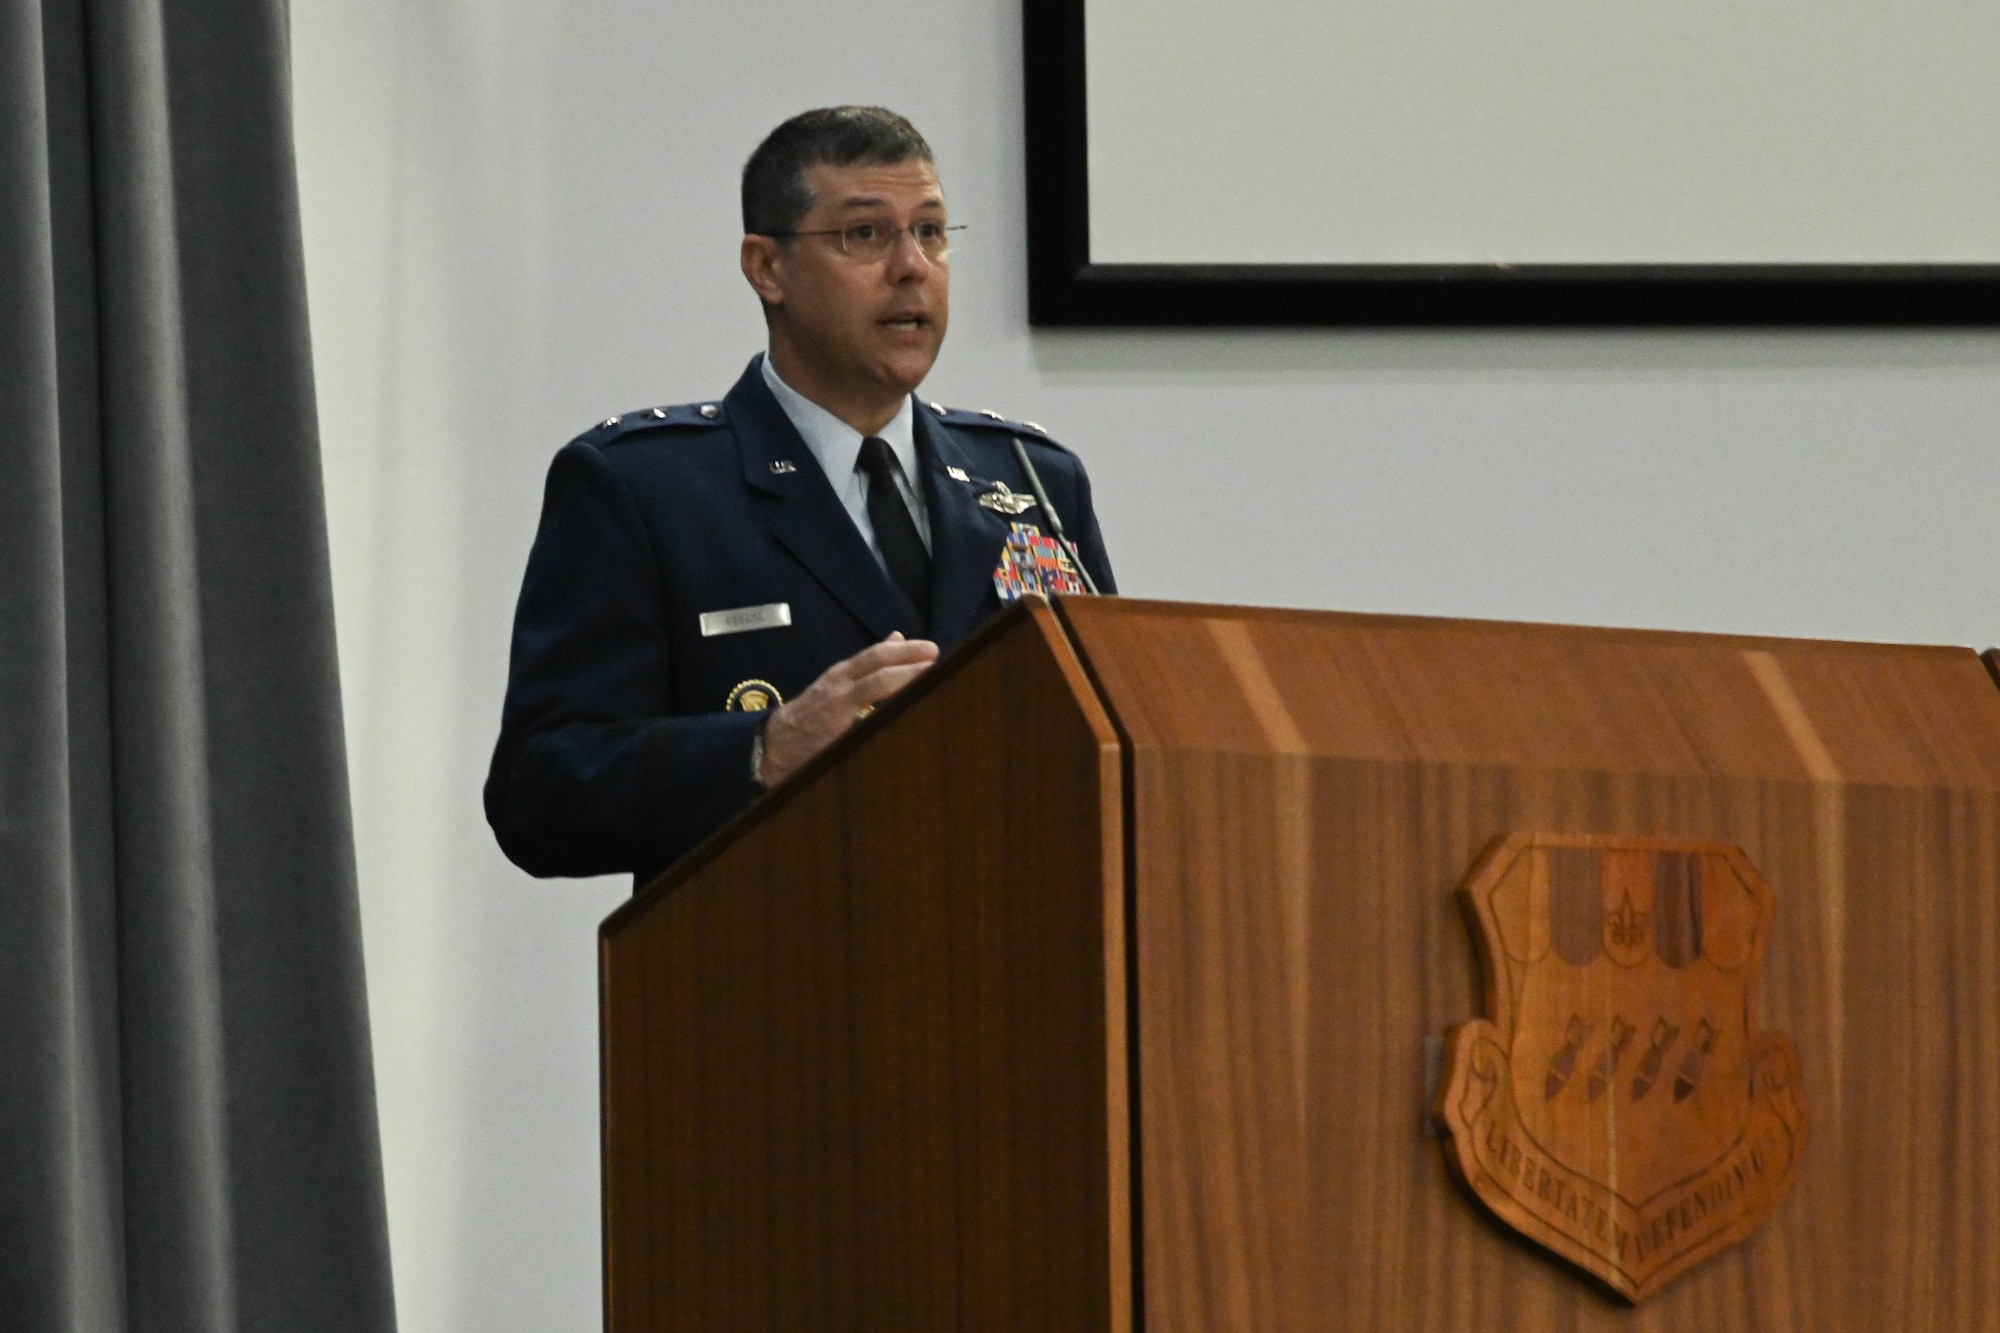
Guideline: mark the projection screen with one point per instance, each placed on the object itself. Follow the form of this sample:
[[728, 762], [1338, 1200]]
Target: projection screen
[[1535, 161]]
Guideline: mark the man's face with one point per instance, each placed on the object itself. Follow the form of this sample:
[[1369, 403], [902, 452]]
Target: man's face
[[863, 328]]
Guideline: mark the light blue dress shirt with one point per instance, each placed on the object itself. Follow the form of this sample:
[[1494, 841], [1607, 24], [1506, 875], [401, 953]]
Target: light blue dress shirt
[[837, 447]]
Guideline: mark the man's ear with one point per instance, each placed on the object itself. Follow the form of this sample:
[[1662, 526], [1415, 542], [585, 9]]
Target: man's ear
[[763, 264]]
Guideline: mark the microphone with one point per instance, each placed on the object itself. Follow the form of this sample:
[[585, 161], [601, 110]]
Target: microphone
[[1055, 519]]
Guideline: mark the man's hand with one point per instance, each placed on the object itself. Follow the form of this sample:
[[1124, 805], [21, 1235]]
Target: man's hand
[[837, 700]]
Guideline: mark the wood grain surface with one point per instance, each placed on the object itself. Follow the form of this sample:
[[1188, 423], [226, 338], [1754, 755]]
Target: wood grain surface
[[864, 1062], [1307, 791], [868, 1051]]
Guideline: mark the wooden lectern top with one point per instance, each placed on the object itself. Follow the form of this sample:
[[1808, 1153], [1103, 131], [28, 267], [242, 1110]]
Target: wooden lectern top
[[1099, 982], [1400, 689]]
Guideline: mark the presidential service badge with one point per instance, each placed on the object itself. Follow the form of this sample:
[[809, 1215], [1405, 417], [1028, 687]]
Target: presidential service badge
[[1031, 562], [1617, 1104], [753, 696]]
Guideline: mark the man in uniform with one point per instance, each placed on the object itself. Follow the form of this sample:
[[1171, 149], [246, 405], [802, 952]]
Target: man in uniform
[[719, 590]]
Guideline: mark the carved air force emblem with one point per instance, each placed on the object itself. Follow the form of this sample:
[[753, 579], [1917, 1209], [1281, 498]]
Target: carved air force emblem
[[1618, 1104]]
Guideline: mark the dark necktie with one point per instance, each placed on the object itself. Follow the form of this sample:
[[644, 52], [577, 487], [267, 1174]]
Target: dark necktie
[[895, 531]]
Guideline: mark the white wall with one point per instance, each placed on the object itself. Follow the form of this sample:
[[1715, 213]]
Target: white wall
[[521, 216]]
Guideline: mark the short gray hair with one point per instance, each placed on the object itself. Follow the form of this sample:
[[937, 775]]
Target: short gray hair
[[776, 196]]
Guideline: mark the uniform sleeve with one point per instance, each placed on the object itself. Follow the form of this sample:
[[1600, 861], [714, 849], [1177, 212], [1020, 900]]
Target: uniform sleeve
[[590, 775]]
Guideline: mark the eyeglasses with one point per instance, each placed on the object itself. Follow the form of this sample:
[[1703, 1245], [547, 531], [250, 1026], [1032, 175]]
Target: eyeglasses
[[876, 240]]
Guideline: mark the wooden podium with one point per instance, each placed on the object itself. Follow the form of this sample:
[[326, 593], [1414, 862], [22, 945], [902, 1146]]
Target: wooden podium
[[1099, 982]]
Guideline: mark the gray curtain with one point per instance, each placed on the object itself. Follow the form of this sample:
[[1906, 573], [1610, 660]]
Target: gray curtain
[[187, 1122]]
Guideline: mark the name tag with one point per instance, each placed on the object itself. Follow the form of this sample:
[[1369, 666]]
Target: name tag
[[773, 615]]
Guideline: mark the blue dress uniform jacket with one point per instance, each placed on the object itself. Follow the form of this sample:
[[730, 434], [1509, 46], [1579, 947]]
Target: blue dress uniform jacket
[[615, 752]]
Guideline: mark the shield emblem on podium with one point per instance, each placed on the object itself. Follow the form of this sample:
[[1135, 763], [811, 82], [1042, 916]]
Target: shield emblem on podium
[[1618, 1103]]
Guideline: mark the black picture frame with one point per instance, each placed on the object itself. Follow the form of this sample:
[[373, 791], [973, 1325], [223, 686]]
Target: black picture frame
[[1065, 289]]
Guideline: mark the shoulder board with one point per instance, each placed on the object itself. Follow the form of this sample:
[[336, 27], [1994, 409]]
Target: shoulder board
[[612, 429], [987, 419]]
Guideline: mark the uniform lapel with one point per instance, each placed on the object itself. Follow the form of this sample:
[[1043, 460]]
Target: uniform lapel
[[806, 516], [965, 539]]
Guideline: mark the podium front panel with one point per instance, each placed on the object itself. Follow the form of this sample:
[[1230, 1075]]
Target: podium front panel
[[1307, 792]]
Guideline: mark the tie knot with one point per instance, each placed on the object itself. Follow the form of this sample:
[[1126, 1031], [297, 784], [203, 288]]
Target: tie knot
[[878, 460]]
